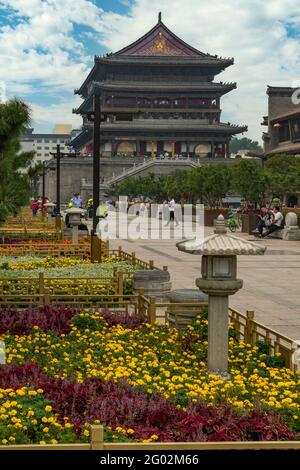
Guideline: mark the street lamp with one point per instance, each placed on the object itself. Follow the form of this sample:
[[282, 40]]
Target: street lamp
[[95, 118], [58, 156]]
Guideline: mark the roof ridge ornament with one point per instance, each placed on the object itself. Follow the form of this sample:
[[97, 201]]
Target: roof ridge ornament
[[159, 17], [220, 225]]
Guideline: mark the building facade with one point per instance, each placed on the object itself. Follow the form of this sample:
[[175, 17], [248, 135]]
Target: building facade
[[43, 144], [283, 121], [158, 97]]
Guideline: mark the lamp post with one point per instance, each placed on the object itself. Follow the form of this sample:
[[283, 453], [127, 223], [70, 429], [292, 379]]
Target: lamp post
[[95, 117], [75, 221], [219, 281], [58, 156]]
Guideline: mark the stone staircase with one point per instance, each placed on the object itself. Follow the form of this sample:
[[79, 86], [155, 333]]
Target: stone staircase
[[156, 166]]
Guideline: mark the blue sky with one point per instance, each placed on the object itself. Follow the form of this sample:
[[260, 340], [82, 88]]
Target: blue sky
[[47, 48]]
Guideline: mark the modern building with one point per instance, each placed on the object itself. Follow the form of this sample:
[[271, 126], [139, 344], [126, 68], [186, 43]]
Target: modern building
[[43, 144], [158, 96], [283, 121]]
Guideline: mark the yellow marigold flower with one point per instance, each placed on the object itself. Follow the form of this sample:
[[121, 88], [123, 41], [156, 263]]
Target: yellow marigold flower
[[48, 408], [45, 430], [4, 441], [86, 432]]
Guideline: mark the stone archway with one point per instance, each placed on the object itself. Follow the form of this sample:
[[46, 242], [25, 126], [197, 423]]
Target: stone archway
[[202, 150], [126, 147]]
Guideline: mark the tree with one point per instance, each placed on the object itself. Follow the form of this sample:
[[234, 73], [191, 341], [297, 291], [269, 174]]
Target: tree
[[15, 186], [283, 175], [216, 183], [249, 180], [244, 143]]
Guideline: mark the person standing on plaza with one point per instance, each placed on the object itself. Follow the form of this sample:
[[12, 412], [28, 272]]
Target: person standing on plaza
[[172, 206], [34, 207], [76, 201]]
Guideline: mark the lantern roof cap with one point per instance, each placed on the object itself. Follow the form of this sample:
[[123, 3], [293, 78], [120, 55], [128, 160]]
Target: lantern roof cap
[[75, 210], [221, 243]]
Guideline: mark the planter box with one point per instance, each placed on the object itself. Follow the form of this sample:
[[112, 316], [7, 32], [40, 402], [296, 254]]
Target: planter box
[[249, 222]]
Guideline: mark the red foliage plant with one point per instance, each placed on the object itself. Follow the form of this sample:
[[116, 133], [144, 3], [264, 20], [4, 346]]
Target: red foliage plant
[[123, 318], [20, 322], [119, 404]]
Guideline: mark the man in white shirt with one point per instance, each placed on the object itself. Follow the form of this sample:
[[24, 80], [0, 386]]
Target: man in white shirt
[[172, 205], [277, 222]]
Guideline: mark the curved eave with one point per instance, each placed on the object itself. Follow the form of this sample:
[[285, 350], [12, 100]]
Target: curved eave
[[165, 60], [168, 87], [82, 90], [82, 139], [171, 126]]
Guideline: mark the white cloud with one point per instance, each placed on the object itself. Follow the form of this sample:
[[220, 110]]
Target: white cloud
[[41, 47], [255, 33]]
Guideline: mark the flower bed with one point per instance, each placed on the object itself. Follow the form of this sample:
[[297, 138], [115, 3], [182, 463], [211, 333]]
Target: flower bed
[[149, 380], [62, 276]]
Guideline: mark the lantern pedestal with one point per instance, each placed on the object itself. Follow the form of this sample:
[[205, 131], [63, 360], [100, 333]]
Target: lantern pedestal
[[218, 293]]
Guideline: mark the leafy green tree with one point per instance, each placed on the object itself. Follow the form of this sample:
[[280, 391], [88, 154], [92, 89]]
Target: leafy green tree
[[15, 187], [244, 143], [216, 183], [249, 180], [283, 175]]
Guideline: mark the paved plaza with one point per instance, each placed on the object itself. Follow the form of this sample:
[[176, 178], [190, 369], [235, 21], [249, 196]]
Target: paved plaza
[[271, 282]]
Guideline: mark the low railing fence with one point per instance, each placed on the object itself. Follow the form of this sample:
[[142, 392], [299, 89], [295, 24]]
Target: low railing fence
[[172, 314], [98, 443], [251, 332], [132, 259], [21, 233], [97, 285]]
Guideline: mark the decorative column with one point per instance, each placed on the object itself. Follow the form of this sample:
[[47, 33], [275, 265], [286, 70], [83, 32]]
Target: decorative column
[[75, 221], [173, 150], [212, 146], [219, 281], [49, 208], [188, 148], [137, 148], [227, 149], [152, 150]]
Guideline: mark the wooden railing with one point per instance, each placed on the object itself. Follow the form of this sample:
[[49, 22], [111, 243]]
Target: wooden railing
[[97, 443], [132, 259], [250, 331], [171, 314], [78, 286]]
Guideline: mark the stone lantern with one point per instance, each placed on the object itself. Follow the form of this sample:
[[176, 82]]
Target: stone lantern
[[75, 220], [49, 209], [219, 280]]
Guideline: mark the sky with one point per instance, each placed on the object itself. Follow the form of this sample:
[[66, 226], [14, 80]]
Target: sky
[[47, 48]]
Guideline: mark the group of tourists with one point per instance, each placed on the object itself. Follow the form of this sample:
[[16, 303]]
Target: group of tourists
[[38, 205], [270, 220]]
